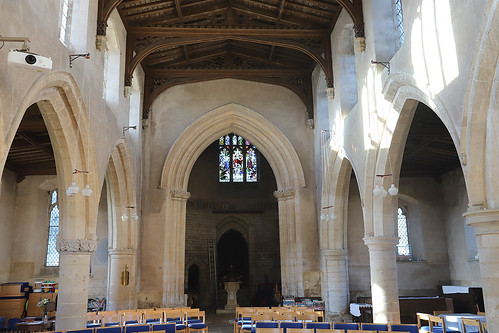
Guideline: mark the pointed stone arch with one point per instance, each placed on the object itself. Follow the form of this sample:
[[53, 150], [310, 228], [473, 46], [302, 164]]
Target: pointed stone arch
[[288, 172], [61, 105], [480, 147], [124, 234], [332, 238]]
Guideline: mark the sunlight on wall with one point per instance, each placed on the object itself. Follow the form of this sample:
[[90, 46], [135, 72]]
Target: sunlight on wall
[[379, 302], [433, 45]]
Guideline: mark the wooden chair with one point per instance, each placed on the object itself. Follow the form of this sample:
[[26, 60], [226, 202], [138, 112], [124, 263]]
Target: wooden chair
[[152, 317], [437, 324], [374, 327], [473, 323], [300, 330], [285, 316], [407, 328], [330, 330], [196, 322], [346, 326], [111, 319], [269, 330], [93, 320], [130, 318], [307, 317], [111, 329], [423, 322]]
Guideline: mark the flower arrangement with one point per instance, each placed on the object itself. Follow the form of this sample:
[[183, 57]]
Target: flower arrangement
[[43, 304]]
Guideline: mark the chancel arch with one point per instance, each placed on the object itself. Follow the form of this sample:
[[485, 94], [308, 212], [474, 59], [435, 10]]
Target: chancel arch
[[284, 161], [58, 98]]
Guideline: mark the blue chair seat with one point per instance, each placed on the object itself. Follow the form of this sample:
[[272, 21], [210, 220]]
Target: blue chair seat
[[197, 326], [93, 325], [153, 321], [112, 324], [168, 328], [180, 327], [404, 328], [374, 327], [194, 320]]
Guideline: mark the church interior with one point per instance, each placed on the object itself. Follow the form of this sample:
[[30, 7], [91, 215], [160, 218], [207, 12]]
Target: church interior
[[341, 152]]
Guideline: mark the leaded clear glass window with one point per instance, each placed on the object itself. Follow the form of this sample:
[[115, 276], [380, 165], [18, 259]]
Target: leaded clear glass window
[[399, 21], [65, 26], [52, 254], [237, 160], [403, 247]]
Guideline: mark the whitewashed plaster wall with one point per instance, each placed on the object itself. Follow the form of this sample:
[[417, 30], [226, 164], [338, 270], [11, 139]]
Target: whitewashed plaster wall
[[30, 229], [179, 106], [434, 62], [42, 30]]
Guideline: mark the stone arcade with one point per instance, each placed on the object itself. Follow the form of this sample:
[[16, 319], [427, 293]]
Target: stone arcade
[[335, 99]]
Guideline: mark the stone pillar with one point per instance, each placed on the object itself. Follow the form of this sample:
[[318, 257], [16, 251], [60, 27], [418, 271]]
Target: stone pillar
[[74, 269], [384, 286], [292, 283], [335, 284], [121, 279], [174, 259], [486, 225]]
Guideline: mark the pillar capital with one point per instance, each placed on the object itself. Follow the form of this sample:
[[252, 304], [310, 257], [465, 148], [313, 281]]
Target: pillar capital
[[485, 221], [335, 253], [381, 243], [121, 252], [179, 194], [85, 246], [284, 194]]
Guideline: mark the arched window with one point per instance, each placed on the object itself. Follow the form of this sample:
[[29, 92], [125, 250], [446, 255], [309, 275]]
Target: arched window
[[52, 258], [65, 26], [237, 160], [403, 247], [399, 22]]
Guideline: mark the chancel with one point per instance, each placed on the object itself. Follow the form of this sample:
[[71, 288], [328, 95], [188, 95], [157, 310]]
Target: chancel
[[333, 156]]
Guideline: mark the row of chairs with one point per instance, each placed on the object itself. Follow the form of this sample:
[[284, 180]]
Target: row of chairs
[[145, 316], [251, 315], [410, 329], [436, 324], [172, 327], [159, 328], [324, 327]]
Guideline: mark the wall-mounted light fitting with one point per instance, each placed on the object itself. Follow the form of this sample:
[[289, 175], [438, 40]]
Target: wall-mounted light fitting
[[385, 64], [126, 128], [73, 57], [73, 188], [134, 217]]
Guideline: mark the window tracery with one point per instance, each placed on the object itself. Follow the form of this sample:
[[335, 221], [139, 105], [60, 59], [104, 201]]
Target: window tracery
[[403, 247], [237, 160], [52, 257]]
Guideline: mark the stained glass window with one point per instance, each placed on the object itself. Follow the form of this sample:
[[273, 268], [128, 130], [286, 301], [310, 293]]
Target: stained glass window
[[237, 160], [403, 247], [52, 258]]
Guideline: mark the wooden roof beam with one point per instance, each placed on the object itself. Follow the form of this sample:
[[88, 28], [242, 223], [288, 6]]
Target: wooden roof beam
[[202, 31]]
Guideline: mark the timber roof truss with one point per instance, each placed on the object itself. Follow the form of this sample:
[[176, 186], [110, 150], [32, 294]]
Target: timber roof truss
[[272, 41]]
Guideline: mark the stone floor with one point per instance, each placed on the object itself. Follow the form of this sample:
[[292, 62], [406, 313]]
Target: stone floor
[[220, 323]]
